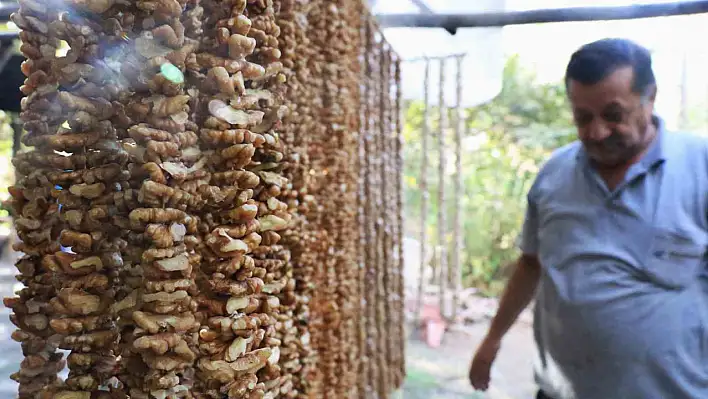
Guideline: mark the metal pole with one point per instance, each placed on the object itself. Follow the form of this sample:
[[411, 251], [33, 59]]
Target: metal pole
[[572, 14]]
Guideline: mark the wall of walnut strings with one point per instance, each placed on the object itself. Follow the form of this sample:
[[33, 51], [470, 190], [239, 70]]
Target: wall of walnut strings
[[210, 202]]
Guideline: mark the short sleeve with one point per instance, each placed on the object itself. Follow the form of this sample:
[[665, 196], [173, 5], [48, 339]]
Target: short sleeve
[[528, 240]]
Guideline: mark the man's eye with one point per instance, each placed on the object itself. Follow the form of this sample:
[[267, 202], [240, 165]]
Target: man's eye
[[613, 116], [582, 119]]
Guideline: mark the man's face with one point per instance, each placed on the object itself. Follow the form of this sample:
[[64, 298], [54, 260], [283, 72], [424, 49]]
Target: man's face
[[612, 120]]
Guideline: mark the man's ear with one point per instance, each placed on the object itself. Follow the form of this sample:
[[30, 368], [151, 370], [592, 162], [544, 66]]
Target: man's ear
[[651, 94]]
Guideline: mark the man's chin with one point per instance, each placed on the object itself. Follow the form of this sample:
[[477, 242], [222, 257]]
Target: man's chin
[[606, 161]]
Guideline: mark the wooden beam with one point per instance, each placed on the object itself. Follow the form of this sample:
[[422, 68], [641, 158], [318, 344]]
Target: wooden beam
[[497, 19]]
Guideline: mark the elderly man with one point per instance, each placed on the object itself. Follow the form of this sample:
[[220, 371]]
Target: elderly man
[[614, 245]]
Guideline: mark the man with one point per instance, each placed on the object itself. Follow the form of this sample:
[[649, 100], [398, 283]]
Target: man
[[614, 245]]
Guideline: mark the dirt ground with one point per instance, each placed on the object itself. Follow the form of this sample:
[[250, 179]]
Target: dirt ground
[[441, 373]]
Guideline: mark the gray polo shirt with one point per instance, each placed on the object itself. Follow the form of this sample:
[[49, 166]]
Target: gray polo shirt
[[622, 305]]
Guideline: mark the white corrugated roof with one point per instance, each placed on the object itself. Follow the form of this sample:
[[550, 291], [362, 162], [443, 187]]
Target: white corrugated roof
[[545, 47], [482, 67]]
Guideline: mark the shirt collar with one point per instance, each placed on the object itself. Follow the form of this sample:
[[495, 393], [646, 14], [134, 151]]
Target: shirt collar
[[657, 149]]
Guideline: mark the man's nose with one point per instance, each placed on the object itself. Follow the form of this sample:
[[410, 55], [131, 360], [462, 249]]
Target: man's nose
[[598, 131]]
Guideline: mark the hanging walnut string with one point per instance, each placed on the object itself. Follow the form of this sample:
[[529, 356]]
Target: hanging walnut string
[[338, 196], [363, 211], [315, 259], [425, 195], [166, 167], [372, 264], [35, 210], [67, 115], [379, 200], [455, 276], [295, 352], [400, 361], [441, 198], [381, 367], [273, 211], [243, 266], [386, 213]]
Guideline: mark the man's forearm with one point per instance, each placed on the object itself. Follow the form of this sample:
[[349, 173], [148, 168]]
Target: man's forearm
[[518, 293]]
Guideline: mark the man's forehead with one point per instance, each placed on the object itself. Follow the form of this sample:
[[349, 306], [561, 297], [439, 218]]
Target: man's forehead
[[617, 86]]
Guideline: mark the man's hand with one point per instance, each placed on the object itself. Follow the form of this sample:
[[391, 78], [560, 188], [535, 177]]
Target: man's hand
[[482, 363], [519, 291]]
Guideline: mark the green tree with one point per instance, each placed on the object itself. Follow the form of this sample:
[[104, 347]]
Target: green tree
[[506, 141], [696, 119]]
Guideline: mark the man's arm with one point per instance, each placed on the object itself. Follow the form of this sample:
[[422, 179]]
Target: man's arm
[[522, 284], [518, 293]]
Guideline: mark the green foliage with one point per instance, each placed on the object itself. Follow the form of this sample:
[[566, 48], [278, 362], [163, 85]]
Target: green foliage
[[505, 143], [696, 119]]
